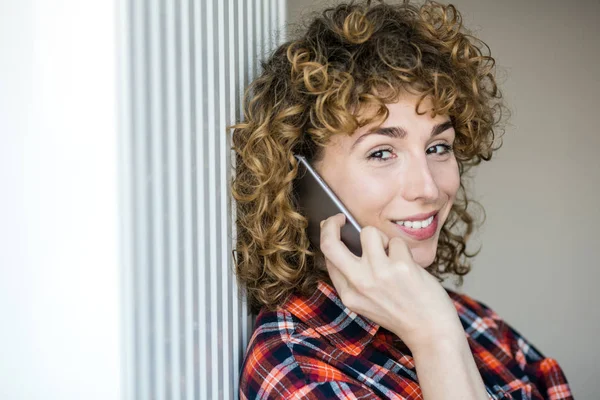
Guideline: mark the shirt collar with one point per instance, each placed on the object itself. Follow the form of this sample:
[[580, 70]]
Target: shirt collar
[[324, 312]]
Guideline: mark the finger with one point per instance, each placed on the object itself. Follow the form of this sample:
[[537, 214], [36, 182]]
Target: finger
[[337, 277], [398, 250], [374, 243], [332, 246]]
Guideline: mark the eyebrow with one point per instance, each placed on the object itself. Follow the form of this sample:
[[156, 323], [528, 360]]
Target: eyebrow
[[398, 132]]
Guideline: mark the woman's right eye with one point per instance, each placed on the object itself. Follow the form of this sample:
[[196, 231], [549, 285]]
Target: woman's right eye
[[376, 155]]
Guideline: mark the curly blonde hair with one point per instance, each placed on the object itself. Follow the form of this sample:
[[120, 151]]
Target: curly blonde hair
[[351, 58]]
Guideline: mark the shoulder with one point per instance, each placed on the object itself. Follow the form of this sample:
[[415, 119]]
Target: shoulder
[[485, 326], [473, 311], [472, 304], [282, 362], [506, 343], [278, 328], [269, 367]]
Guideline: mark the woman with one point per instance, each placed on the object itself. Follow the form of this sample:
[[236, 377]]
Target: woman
[[391, 104]]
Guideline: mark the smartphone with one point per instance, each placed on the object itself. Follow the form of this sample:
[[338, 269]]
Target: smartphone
[[316, 201]]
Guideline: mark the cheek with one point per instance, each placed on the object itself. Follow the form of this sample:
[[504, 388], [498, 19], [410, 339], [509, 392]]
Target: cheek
[[365, 196], [447, 178]]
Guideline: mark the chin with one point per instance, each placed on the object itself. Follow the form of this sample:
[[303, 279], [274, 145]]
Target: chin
[[424, 255], [423, 252], [426, 263]]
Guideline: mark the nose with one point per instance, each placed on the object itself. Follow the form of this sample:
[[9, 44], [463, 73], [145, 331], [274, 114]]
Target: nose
[[417, 181]]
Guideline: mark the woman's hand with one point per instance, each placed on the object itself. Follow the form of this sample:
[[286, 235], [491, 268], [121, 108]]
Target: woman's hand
[[391, 289]]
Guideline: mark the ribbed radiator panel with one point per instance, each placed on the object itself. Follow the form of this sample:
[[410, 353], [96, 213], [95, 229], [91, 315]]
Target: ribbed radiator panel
[[183, 67]]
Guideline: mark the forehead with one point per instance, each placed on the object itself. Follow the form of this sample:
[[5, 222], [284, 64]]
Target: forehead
[[403, 114]]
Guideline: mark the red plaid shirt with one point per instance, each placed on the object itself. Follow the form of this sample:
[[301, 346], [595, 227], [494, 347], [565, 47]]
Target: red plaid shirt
[[316, 348]]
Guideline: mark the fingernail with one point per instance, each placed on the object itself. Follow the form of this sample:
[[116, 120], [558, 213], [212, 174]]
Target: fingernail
[[322, 222]]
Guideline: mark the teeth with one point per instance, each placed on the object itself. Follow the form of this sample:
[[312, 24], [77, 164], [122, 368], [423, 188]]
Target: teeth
[[417, 224]]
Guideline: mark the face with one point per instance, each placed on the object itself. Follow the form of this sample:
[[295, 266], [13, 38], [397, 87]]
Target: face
[[400, 174]]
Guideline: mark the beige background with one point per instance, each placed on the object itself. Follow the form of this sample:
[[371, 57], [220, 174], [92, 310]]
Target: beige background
[[539, 268]]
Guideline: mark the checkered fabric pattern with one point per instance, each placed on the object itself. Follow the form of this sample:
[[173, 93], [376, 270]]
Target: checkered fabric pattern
[[316, 348]]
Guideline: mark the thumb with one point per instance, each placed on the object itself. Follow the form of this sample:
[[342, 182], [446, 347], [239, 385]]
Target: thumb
[[385, 241], [399, 250], [337, 277]]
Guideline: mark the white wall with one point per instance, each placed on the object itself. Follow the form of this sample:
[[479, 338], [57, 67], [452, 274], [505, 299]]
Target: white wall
[[539, 264], [58, 246]]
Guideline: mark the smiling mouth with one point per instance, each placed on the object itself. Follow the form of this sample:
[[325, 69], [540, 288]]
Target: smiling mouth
[[422, 224], [419, 230]]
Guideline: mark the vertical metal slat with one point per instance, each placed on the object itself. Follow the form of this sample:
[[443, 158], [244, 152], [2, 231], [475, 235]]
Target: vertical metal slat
[[266, 28], [188, 257], [223, 31], [141, 216], [201, 133], [157, 176], [172, 134], [212, 119], [234, 62]]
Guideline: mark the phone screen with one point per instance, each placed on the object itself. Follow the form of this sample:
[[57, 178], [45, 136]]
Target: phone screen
[[317, 202]]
